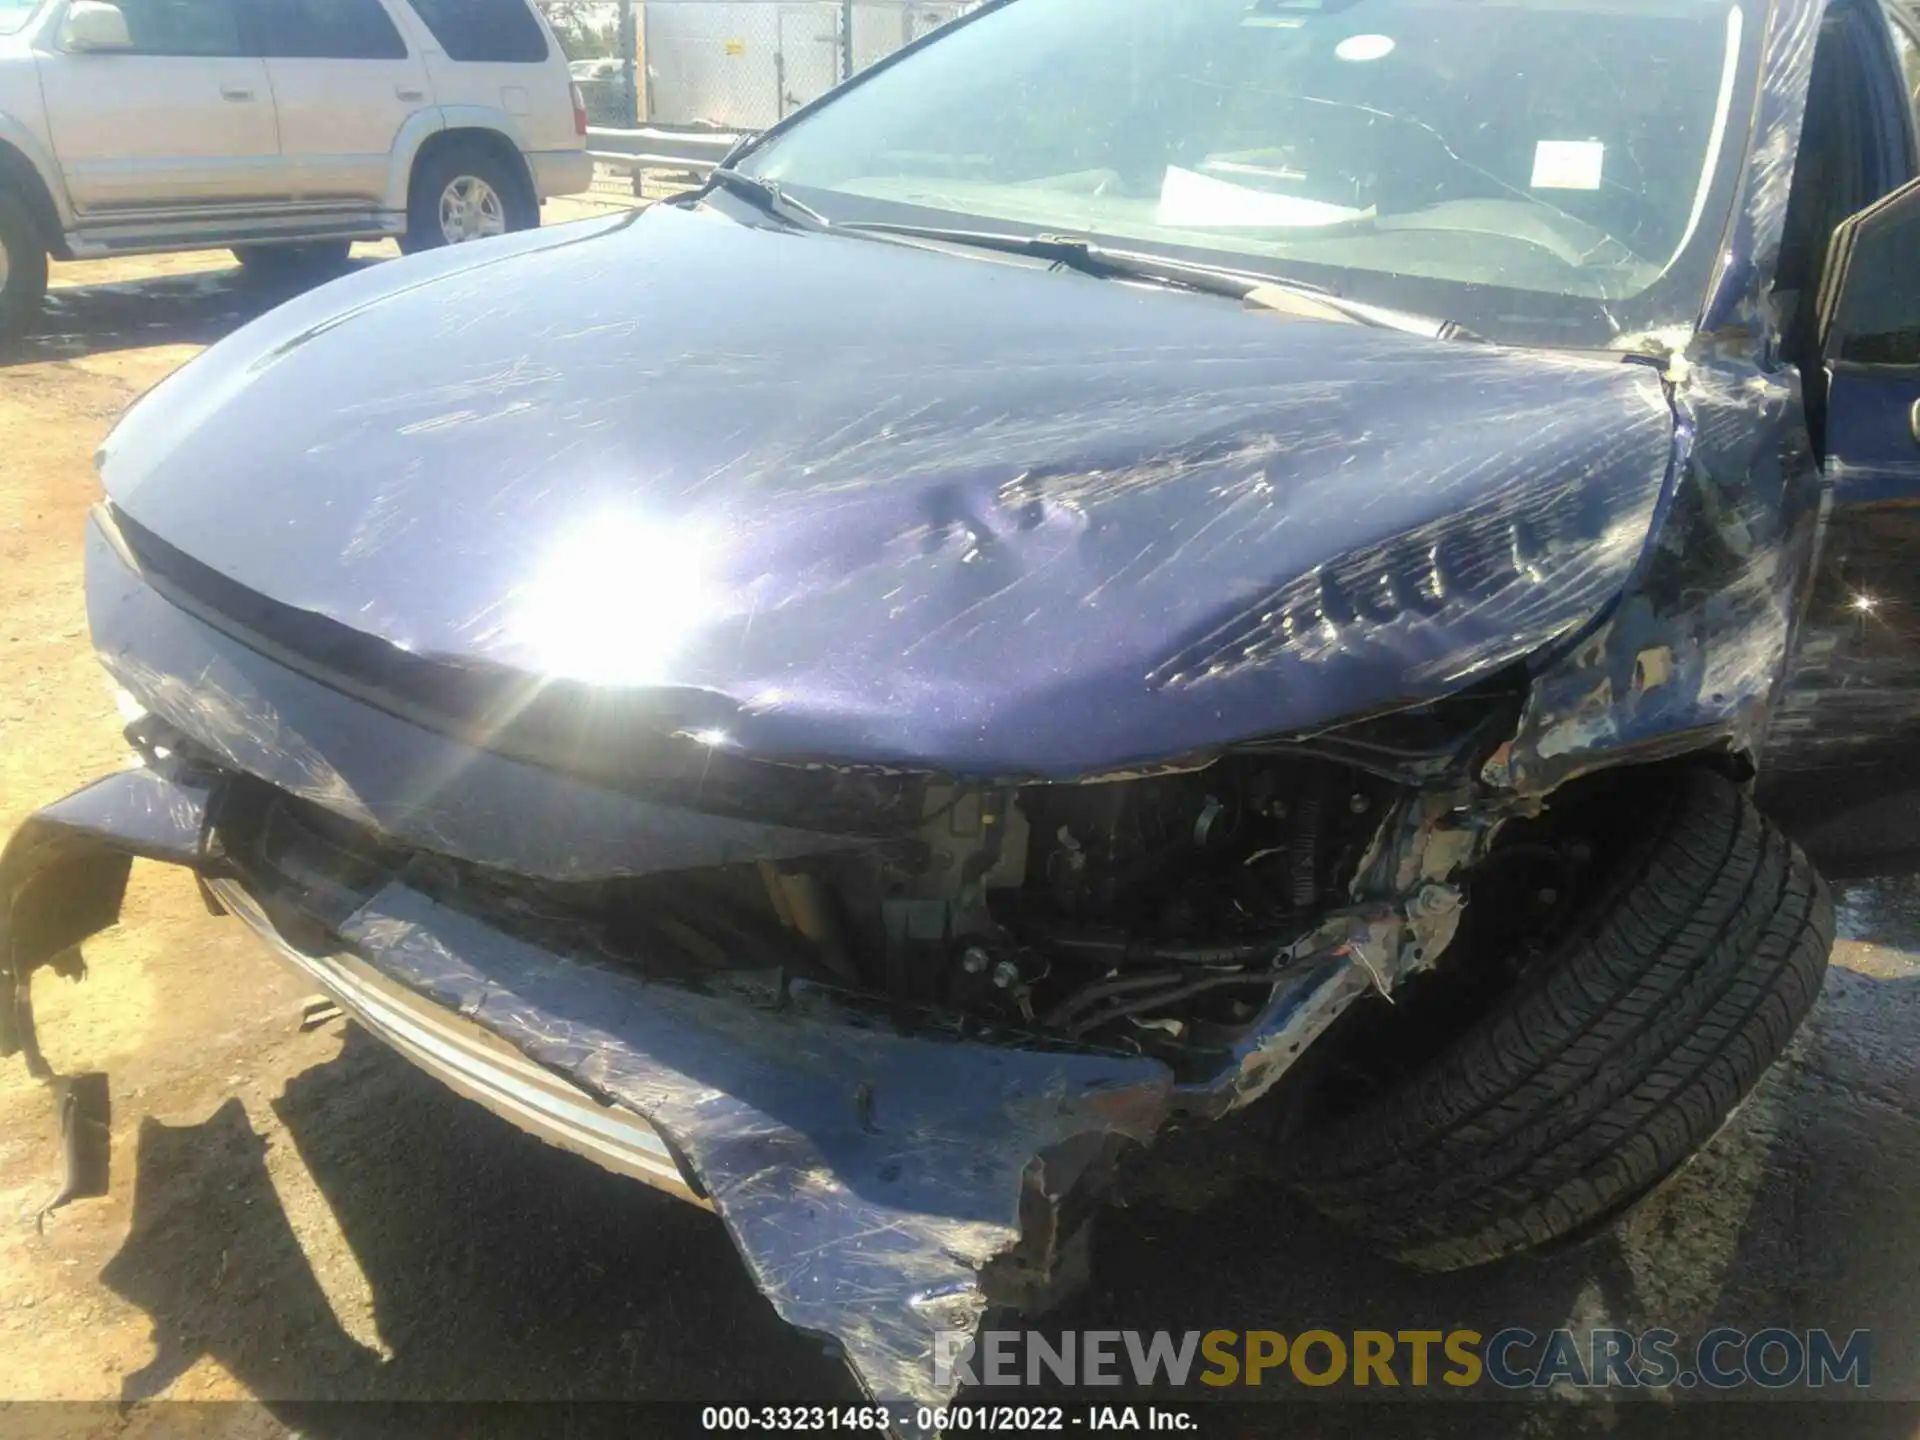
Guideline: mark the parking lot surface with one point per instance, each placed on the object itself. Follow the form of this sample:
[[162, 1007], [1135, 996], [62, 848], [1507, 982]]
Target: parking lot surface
[[300, 1216]]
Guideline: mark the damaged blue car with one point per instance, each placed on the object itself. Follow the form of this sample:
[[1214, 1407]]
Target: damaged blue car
[[1357, 558]]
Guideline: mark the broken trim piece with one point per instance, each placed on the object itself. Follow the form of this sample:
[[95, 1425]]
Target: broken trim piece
[[64, 873], [868, 1179], [476, 1064]]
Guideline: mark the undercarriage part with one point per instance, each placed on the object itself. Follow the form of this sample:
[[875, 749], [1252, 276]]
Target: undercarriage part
[[1620, 1050], [318, 1010], [84, 1106]]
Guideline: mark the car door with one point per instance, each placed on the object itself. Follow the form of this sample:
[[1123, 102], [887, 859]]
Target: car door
[[1842, 767], [182, 117], [346, 84]]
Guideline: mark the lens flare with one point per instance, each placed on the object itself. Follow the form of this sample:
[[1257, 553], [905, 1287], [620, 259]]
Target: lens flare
[[614, 601]]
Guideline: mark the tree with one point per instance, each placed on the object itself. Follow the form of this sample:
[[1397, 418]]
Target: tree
[[588, 29]]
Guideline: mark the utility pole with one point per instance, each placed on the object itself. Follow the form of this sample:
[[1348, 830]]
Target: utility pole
[[629, 64], [846, 40]]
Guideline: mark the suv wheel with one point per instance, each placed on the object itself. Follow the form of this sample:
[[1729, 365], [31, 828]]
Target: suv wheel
[[1618, 1052], [23, 265], [465, 193]]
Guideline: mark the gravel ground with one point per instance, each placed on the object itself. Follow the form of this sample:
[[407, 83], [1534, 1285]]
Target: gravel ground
[[301, 1216]]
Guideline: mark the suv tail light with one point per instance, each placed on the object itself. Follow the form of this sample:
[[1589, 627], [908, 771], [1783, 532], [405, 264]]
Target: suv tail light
[[579, 111]]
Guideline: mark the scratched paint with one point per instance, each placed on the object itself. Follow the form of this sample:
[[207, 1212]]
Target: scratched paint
[[910, 536]]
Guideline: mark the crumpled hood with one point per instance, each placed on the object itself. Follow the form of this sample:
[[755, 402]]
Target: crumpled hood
[[865, 501]]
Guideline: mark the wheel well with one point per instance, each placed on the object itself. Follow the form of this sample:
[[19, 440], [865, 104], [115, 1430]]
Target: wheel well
[[18, 175], [1542, 879], [496, 145]]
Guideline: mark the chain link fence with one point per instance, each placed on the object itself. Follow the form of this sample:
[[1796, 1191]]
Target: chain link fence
[[740, 64]]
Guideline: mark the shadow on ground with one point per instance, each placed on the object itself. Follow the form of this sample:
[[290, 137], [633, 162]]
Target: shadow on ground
[[501, 1269], [197, 308]]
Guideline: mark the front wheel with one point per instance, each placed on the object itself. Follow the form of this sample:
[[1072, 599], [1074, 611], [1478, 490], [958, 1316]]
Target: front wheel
[[1619, 1051], [23, 266], [466, 193]]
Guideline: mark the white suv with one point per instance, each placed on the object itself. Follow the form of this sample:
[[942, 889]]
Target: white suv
[[286, 129]]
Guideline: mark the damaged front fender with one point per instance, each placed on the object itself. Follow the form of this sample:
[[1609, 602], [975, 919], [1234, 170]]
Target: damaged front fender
[[1692, 655]]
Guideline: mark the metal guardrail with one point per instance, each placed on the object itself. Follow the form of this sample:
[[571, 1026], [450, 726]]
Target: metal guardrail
[[694, 151]]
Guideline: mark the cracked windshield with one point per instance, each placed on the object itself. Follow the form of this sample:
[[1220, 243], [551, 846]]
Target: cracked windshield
[[1557, 158]]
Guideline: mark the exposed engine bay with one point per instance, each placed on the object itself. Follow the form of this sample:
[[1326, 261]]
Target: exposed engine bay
[[1145, 916]]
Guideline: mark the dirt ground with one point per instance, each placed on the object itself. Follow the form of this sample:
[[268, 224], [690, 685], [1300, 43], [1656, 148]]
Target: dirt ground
[[301, 1216]]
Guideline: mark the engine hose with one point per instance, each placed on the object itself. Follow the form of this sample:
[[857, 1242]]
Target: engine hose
[[1237, 952], [1164, 998], [1104, 990], [1118, 949], [1263, 950]]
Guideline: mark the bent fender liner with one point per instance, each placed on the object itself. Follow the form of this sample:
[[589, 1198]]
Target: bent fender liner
[[63, 875], [64, 872]]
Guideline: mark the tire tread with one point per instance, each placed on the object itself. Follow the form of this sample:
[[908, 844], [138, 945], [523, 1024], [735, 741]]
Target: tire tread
[[1617, 1057]]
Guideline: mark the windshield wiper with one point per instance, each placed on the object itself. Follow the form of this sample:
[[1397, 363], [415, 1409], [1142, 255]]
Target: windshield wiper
[[1088, 257], [765, 196], [1076, 252]]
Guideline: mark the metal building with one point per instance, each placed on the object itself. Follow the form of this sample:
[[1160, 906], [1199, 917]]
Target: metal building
[[745, 64]]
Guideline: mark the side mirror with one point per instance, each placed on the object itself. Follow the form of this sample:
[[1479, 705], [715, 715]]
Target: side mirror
[[94, 26], [1870, 295]]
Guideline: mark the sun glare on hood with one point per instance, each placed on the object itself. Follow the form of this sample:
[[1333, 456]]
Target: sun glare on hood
[[614, 600]]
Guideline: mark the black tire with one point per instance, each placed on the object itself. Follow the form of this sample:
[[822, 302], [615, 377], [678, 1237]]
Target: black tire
[[310, 260], [25, 253], [441, 170], [1615, 1058]]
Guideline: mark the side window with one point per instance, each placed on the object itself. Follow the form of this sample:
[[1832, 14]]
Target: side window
[[327, 30], [1874, 307], [498, 30], [183, 27], [1837, 171]]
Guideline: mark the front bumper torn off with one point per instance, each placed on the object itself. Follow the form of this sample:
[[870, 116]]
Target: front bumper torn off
[[875, 1184], [882, 1188]]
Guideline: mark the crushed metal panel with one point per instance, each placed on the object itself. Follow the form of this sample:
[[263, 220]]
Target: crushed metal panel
[[1693, 654], [868, 1179]]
